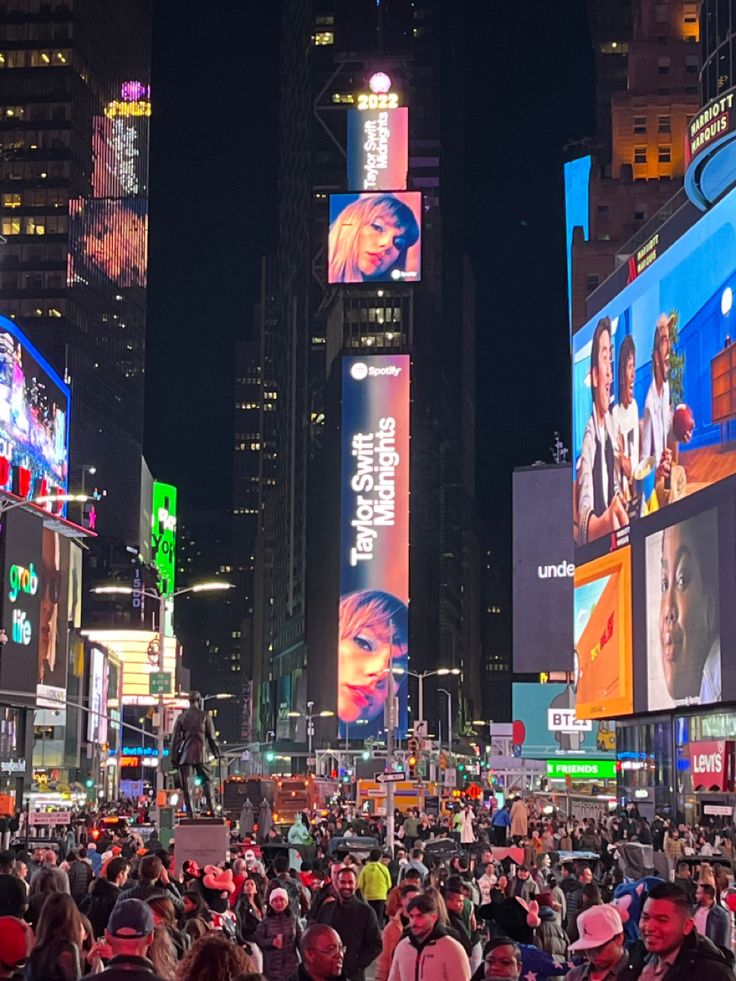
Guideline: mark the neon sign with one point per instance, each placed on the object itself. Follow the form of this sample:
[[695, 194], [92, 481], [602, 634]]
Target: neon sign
[[118, 108], [22, 580], [134, 91]]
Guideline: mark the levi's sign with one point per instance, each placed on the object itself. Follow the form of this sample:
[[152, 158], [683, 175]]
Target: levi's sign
[[711, 764]]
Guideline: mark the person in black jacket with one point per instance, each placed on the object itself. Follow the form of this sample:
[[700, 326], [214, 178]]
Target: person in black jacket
[[355, 923], [98, 905], [322, 955], [129, 935], [153, 878], [674, 949]]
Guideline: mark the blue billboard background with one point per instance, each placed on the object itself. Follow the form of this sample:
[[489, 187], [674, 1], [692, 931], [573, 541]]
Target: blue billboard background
[[532, 703]]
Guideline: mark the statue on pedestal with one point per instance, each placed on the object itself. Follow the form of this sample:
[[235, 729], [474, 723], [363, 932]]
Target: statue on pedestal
[[193, 732]]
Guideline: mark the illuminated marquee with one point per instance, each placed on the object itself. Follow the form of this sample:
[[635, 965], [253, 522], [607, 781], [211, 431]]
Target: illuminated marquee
[[118, 108], [132, 648]]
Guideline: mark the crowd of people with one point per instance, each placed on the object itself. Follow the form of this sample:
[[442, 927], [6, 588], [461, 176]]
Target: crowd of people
[[505, 894]]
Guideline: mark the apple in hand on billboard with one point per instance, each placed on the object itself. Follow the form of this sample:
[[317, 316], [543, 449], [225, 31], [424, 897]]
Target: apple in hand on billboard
[[683, 423]]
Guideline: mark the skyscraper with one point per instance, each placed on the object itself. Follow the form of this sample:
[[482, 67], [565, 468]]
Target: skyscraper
[[312, 325], [74, 123], [647, 64]]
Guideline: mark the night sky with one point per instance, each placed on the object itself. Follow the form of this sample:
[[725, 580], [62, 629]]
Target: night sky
[[529, 71]]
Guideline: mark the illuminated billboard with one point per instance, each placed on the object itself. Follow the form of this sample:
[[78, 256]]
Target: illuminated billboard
[[654, 380], [375, 238], [54, 625], [602, 635], [374, 542], [137, 651], [21, 602], [543, 569], [108, 241], [378, 149], [546, 724], [163, 535], [98, 680], [683, 613], [34, 419]]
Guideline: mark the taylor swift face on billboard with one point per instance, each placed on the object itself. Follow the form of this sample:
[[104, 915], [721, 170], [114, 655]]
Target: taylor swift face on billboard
[[373, 634], [370, 238]]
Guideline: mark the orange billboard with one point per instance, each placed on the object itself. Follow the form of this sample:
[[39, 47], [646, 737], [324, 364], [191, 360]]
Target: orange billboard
[[603, 659]]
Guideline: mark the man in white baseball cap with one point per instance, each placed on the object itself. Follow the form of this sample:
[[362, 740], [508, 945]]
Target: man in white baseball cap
[[602, 942]]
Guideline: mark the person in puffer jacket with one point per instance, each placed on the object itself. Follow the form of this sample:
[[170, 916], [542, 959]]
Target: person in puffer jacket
[[428, 953], [549, 934], [278, 936]]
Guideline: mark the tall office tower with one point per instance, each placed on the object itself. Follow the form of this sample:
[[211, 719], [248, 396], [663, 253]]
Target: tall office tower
[[647, 64], [74, 124], [718, 44], [368, 55]]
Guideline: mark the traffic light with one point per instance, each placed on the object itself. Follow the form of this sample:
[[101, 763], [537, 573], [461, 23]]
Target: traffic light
[[412, 764], [461, 767], [365, 755], [89, 783], [198, 780], [270, 757]]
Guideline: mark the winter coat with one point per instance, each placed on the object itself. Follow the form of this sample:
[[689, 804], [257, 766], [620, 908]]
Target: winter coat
[[438, 958], [57, 961], [519, 819], [279, 963], [356, 925], [248, 921], [98, 904], [392, 934], [552, 938], [80, 876], [126, 968], [374, 881], [698, 960]]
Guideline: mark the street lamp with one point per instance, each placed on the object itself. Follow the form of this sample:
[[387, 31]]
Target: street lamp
[[202, 587], [220, 697], [8, 504], [310, 717], [444, 691], [421, 675]]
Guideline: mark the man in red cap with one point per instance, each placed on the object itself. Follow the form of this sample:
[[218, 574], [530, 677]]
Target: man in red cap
[[16, 940]]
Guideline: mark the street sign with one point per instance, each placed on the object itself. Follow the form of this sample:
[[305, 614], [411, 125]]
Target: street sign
[[159, 683], [50, 817], [396, 776], [421, 729], [451, 777], [412, 744]]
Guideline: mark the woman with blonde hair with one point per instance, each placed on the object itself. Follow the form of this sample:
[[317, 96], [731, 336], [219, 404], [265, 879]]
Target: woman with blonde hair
[[370, 238]]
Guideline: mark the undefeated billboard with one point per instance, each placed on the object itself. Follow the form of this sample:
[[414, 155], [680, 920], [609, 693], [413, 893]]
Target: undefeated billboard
[[374, 543], [543, 570]]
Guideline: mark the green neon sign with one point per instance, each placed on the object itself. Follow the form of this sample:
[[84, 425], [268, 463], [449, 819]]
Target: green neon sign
[[163, 535], [582, 769]]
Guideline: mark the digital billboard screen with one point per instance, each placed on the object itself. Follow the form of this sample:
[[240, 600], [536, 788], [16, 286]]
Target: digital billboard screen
[[19, 664], [54, 625], [163, 535], [546, 724], [98, 690], [654, 380], [375, 237], [683, 613], [108, 241], [603, 638], [543, 569], [378, 149], [34, 419], [374, 543]]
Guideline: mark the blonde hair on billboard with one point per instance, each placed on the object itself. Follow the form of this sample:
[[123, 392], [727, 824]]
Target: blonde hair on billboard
[[383, 613], [345, 230]]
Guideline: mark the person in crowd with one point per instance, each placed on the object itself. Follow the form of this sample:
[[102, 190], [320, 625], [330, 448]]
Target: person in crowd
[[98, 904], [95, 859], [486, 882], [214, 958], [80, 874], [712, 921], [522, 885], [13, 893], [501, 961], [675, 950], [590, 895], [46, 882], [428, 953], [355, 923], [467, 827], [278, 936], [60, 935], [162, 952], [499, 892], [164, 916], [500, 825], [519, 815], [298, 898], [196, 918], [323, 955], [394, 931], [374, 882], [249, 911], [549, 934], [16, 941], [602, 943], [416, 862], [153, 878]]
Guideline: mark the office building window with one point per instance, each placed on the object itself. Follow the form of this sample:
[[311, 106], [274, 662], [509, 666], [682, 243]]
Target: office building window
[[665, 154], [664, 124], [640, 154], [663, 65], [640, 124]]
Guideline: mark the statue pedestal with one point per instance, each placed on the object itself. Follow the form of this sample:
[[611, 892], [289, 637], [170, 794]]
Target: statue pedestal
[[206, 840]]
